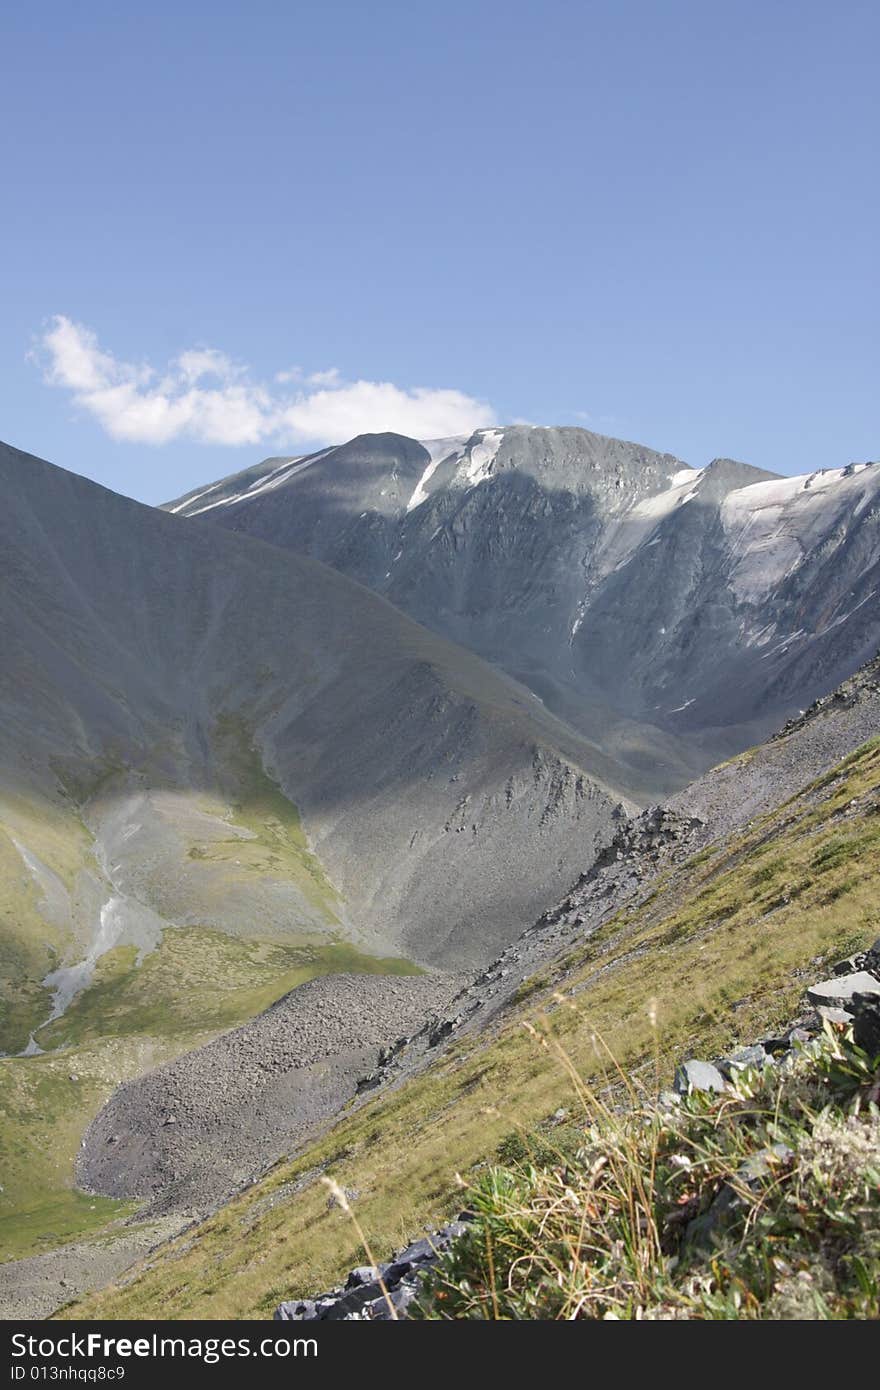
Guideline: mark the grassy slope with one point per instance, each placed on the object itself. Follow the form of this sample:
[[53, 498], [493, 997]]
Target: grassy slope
[[280, 847], [762, 1202], [198, 982], [45, 1104], [715, 952], [112, 1034], [29, 945]]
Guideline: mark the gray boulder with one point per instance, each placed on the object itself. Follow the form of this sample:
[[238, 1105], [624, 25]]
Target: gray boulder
[[839, 992], [698, 1076]]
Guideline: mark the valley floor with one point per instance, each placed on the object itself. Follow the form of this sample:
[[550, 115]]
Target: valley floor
[[32, 1288]]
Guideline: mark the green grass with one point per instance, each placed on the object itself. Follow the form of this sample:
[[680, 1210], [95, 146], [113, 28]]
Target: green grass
[[839, 851], [196, 984], [200, 980], [45, 1103], [713, 960], [30, 946], [768, 872], [58, 1218], [762, 1203], [257, 803]]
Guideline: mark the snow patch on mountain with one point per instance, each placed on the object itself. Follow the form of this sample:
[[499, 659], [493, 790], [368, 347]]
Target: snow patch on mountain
[[187, 504], [636, 525], [439, 451], [280, 475], [771, 526], [479, 456]]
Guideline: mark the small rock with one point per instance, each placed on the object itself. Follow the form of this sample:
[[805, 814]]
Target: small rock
[[832, 1015], [440, 1031], [369, 1083], [799, 1037], [363, 1274], [871, 959], [746, 1057], [420, 1253], [698, 1076], [344, 1305], [303, 1310], [846, 967]]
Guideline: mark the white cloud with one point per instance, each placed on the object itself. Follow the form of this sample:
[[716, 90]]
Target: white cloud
[[200, 362], [328, 378], [203, 395], [369, 407]]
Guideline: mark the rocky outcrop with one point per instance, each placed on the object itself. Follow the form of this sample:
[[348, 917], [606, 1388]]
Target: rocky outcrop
[[862, 688], [378, 1293], [851, 998]]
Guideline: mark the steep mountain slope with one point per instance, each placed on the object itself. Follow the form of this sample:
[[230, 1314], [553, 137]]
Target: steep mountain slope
[[674, 615], [720, 805], [226, 769], [173, 700], [714, 952]]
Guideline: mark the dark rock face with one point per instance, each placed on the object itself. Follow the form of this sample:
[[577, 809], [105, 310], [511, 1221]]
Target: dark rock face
[[675, 615], [866, 1021]]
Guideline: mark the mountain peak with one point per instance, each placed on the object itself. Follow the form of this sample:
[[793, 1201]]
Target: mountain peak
[[725, 475]]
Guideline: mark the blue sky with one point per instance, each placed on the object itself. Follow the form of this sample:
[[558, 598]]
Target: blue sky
[[231, 229]]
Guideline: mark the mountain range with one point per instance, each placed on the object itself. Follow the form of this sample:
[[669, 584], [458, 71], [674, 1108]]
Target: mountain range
[[376, 710], [670, 614]]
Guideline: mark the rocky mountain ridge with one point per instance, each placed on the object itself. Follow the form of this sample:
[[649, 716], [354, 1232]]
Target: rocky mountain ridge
[[674, 615]]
